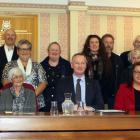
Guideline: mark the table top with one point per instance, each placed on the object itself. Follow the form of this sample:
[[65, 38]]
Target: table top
[[90, 121], [74, 115]]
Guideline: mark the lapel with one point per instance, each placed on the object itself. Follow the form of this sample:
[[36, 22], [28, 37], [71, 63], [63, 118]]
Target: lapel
[[45, 63], [15, 56], [9, 102], [4, 55], [88, 90], [131, 98], [71, 87]]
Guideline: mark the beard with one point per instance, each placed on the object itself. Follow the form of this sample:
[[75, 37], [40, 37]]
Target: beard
[[108, 50]]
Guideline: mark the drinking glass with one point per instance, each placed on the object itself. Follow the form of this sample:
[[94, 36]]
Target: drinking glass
[[54, 108]]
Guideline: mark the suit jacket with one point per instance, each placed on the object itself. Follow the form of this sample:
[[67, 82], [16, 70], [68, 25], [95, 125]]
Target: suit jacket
[[93, 93], [3, 60], [110, 84], [125, 99], [126, 76], [6, 100], [124, 57]]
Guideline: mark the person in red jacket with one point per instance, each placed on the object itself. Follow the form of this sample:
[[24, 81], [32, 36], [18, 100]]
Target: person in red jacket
[[128, 95]]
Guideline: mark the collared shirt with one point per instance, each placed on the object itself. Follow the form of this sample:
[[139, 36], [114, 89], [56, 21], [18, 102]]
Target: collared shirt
[[9, 52], [82, 84]]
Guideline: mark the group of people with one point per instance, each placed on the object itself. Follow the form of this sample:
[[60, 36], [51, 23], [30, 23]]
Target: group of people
[[96, 76]]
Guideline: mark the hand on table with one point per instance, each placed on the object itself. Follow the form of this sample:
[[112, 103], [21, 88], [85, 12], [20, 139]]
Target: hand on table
[[84, 108]]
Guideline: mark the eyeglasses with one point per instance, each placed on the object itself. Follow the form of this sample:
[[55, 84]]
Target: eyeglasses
[[137, 41], [24, 49], [137, 72]]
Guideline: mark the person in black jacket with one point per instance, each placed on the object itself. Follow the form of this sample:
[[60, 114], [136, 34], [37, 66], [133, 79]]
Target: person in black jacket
[[8, 51], [56, 68], [98, 63], [134, 57], [111, 87], [125, 55], [90, 89]]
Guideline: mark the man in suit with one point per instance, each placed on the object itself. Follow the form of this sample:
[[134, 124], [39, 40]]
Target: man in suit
[[111, 85], [90, 89], [124, 56], [8, 51]]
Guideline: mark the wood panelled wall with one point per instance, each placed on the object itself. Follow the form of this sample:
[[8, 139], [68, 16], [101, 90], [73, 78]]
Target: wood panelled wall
[[26, 27]]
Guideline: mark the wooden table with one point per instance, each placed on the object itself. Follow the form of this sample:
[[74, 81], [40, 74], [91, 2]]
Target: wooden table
[[93, 126]]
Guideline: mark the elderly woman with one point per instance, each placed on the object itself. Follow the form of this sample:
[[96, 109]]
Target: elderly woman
[[34, 73], [125, 55], [134, 57], [128, 95], [17, 98]]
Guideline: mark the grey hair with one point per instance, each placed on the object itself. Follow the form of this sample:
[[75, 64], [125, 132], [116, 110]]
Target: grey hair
[[24, 41], [136, 38], [16, 71], [135, 52]]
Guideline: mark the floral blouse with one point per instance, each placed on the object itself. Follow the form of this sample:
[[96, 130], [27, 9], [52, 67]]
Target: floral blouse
[[18, 101]]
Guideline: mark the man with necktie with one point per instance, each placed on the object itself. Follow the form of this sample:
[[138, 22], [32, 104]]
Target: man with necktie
[[83, 89]]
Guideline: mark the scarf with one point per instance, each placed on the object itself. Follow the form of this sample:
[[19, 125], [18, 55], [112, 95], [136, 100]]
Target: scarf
[[26, 72]]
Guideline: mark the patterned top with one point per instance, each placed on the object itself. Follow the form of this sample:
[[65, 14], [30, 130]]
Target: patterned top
[[18, 101], [37, 76], [54, 74]]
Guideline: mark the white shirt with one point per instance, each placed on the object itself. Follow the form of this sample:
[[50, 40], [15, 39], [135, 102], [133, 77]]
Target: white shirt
[[82, 84], [8, 52]]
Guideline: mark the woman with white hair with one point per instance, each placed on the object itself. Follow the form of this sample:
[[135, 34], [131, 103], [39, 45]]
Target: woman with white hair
[[17, 98], [133, 57], [125, 55]]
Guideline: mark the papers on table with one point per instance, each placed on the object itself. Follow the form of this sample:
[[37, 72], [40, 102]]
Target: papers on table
[[112, 111]]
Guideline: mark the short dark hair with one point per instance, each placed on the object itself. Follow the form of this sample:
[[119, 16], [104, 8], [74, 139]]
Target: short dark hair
[[131, 69], [107, 35], [135, 64], [24, 41]]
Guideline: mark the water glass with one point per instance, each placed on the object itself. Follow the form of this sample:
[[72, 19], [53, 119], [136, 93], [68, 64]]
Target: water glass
[[80, 108], [54, 108]]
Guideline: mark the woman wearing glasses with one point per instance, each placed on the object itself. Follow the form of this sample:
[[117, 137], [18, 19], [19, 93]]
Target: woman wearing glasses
[[34, 73], [128, 95]]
